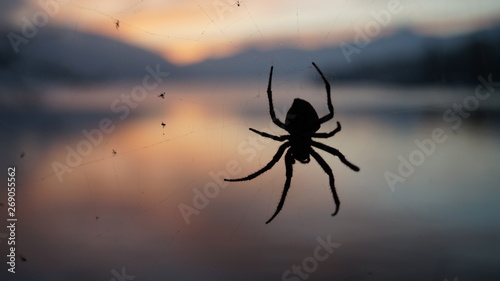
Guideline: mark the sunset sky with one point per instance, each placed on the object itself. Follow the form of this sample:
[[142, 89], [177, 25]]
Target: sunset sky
[[188, 31]]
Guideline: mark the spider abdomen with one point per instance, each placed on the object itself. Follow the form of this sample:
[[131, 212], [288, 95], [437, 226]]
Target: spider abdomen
[[300, 146], [301, 118]]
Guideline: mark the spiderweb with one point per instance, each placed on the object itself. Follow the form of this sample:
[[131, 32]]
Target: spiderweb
[[150, 197]]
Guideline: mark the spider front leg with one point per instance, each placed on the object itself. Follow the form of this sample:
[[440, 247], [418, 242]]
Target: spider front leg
[[329, 172], [276, 138], [270, 98], [328, 97], [328, 135]]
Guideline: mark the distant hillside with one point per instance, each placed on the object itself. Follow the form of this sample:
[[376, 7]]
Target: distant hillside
[[402, 58], [62, 55], [407, 58]]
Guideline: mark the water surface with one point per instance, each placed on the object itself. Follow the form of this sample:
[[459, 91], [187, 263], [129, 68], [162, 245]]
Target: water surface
[[123, 210]]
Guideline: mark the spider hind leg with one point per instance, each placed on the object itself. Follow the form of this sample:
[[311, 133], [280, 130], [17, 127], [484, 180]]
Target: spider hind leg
[[269, 165], [329, 172], [337, 153], [289, 173]]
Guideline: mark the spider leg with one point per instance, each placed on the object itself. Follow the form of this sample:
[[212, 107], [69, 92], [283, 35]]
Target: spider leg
[[289, 172], [337, 153], [271, 106], [276, 138], [329, 172], [269, 165], [328, 95], [327, 135]]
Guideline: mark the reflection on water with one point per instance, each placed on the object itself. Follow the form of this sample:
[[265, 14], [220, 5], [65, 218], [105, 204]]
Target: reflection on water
[[159, 207]]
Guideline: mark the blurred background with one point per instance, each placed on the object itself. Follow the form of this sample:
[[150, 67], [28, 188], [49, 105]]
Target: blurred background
[[123, 117]]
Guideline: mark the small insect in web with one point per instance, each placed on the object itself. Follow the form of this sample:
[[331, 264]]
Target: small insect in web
[[162, 95], [163, 126], [117, 24], [302, 123], [114, 152]]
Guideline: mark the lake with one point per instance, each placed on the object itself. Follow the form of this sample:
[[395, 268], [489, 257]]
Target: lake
[[112, 187]]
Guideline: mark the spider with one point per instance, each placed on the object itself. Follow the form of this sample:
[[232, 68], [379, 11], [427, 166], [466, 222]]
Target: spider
[[302, 123]]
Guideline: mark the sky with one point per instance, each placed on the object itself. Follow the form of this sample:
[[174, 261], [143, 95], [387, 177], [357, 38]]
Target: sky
[[190, 31]]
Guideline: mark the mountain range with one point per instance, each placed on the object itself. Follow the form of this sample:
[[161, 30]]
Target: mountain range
[[402, 57]]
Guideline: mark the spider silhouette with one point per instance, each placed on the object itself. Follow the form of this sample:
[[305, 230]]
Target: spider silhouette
[[302, 123]]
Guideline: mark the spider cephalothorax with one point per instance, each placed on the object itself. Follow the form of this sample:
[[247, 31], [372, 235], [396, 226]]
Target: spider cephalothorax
[[302, 122]]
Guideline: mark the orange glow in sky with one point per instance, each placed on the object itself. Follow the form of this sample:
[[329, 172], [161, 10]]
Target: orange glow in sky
[[189, 31]]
